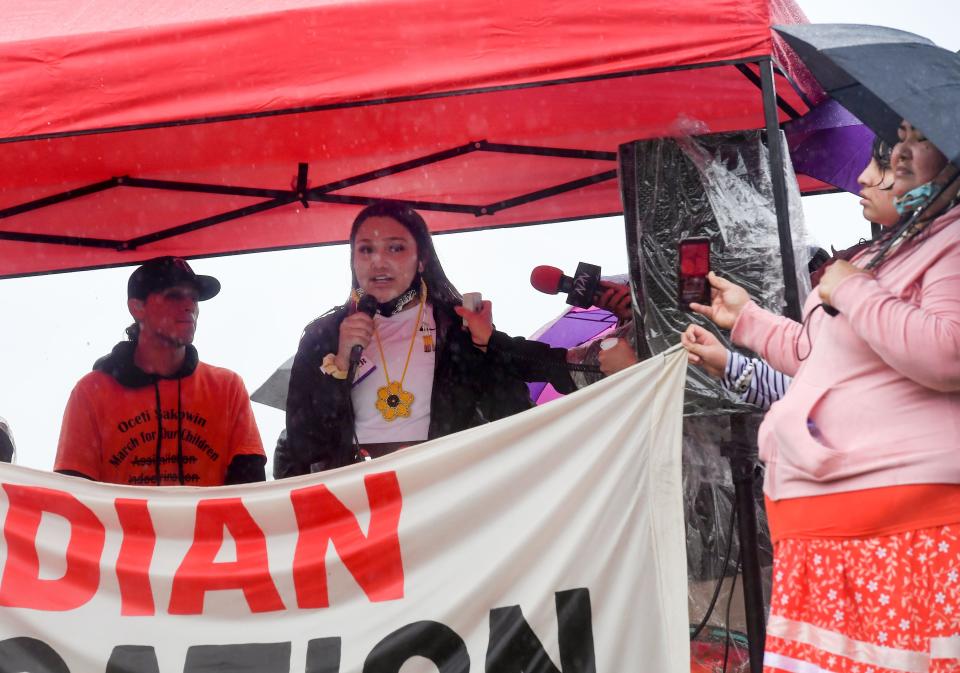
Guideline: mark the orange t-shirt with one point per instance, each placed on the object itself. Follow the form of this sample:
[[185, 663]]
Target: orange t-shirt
[[111, 433], [871, 512]]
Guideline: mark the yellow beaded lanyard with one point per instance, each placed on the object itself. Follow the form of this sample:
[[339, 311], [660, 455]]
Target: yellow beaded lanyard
[[392, 399]]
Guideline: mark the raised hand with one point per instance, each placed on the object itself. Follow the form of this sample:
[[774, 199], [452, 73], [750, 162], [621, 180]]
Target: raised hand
[[479, 323], [727, 301], [833, 276], [705, 350], [355, 330]]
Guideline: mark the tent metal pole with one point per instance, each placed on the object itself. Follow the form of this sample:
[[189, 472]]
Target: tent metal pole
[[203, 188], [631, 221], [394, 169], [741, 452], [755, 79], [433, 206], [492, 208], [540, 151], [50, 239], [134, 243], [59, 198], [776, 150], [742, 466]]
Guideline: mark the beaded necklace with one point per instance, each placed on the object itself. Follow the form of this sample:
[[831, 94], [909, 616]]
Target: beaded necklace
[[392, 400]]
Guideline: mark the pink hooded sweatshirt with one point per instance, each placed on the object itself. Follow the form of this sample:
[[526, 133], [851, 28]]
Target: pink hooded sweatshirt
[[877, 401]]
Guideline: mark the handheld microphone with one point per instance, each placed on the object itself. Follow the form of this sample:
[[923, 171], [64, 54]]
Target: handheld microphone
[[581, 289], [368, 305]]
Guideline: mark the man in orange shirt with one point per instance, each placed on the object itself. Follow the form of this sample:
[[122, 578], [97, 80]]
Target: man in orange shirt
[[150, 412]]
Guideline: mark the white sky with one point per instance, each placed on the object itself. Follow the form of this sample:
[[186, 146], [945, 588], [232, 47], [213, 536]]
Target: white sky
[[54, 327]]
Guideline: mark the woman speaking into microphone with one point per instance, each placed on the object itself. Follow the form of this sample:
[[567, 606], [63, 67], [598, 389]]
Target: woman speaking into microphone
[[421, 375]]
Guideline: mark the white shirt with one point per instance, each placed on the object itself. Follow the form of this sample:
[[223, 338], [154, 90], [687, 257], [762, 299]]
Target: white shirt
[[395, 334]]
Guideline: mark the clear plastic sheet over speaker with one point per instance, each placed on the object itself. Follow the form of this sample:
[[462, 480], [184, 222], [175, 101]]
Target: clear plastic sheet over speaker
[[717, 186]]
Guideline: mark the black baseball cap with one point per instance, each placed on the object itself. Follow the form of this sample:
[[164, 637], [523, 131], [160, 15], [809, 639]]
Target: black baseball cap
[[160, 273]]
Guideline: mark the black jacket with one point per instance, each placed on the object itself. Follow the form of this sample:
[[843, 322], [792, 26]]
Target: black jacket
[[470, 387]]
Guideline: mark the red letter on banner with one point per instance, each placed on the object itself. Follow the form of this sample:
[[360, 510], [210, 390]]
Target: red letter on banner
[[133, 561], [374, 560], [198, 573], [21, 586]]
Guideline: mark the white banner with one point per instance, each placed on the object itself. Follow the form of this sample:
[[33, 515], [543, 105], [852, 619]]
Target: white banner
[[550, 541]]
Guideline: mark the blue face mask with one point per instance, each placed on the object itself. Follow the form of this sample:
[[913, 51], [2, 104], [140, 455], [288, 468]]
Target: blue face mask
[[914, 198]]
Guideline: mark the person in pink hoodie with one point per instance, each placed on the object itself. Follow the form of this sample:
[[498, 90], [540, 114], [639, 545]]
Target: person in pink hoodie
[[752, 379], [862, 454]]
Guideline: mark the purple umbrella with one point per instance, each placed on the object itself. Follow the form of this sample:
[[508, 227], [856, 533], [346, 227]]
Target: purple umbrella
[[830, 144], [573, 327]]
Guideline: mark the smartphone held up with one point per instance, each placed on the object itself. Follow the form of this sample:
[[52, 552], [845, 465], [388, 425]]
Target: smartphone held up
[[693, 266]]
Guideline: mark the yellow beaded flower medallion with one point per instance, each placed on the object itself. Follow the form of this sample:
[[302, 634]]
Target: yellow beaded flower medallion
[[393, 401]]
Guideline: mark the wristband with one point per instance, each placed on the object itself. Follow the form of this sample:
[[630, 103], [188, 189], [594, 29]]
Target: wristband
[[742, 384], [480, 345], [330, 368]]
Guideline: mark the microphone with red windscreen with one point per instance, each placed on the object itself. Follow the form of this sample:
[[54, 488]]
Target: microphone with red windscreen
[[581, 289]]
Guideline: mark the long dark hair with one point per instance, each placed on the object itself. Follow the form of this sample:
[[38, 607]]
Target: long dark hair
[[439, 287], [881, 153]]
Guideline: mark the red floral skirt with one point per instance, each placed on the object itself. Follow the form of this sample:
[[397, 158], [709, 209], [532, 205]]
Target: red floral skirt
[[866, 605]]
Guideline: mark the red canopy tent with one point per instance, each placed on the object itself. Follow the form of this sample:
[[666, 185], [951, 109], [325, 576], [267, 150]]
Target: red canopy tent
[[206, 128], [197, 131]]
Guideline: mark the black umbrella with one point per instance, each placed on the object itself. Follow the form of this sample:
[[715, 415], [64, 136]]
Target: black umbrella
[[883, 75]]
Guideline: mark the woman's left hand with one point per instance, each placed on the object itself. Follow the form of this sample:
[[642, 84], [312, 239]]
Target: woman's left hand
[[835, 274], [479, 323]]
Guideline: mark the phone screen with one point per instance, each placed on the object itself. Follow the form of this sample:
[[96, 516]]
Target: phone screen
[[694, 265]]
